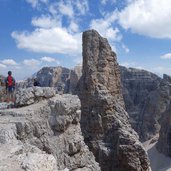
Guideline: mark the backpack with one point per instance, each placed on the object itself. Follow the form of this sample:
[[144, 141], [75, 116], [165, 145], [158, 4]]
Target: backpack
[[10, 81]]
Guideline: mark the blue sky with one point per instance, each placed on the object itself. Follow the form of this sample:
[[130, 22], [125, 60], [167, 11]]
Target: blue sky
[[37, 33]]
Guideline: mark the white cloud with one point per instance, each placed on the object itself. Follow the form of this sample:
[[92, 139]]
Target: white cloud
[[2, 66], [147, 17], [35, 3], [127, 50], [166, 56], [66, 9], [104, 2], [54, 40], [160, 70], [8, 62], [48, 59], [105, 27], [31, 62], [78, 61], [73, 27], [82, 6], [46, 22], [129, 64]]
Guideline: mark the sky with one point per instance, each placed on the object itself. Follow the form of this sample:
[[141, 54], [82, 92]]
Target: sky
[[39, 33]]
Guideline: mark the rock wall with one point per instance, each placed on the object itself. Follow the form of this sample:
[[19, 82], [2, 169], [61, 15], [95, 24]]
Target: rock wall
[[104, 121], [146, 97], [164, 142], [45, 136]]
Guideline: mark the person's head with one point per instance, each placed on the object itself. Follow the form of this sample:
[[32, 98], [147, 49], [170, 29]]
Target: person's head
[[9, 73]]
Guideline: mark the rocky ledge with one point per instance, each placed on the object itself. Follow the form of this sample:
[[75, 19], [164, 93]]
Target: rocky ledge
[[45, 136]]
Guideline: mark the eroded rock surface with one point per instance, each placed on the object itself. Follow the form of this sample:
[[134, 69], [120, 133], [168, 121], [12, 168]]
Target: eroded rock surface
[[104, 121], [32, 95], [45, 136]]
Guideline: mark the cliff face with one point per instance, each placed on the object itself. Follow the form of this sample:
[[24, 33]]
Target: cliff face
[[164, 142], [104, 121], [146, 98]]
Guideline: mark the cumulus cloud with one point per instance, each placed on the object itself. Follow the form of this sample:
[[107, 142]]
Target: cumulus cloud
[[66, 9], [160, 70], [104, 2], [48, 59], [126, 49], [35, 3], [73, 27], [31, 62], [105, 26], [46, 21], [82, 6], [57, 31], [53, 40], [69, 8], [129, 64], [8, 62], [2, 66], [147, 17], [166, 56]]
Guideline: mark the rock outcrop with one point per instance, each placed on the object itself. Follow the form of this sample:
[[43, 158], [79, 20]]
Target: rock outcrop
[[45, 136], [104, 121]]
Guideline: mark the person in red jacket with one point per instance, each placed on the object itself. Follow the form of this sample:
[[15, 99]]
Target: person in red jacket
[[10, 87]]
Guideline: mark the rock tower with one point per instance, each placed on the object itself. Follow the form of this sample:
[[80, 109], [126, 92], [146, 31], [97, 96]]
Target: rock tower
[[104, 121]]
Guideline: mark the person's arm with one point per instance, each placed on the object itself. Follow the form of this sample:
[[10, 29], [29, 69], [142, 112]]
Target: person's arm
[[13, 80]]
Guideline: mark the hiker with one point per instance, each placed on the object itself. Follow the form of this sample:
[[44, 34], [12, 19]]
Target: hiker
[[10, 87], [36, 82]]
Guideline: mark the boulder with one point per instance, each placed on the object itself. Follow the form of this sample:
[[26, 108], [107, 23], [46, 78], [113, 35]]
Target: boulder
[[32, 95]]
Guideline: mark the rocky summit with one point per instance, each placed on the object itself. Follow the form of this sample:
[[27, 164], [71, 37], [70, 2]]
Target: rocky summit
[[104, 121]]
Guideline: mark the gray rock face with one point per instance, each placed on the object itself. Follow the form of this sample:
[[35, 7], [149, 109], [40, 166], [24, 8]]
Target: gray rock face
[[164, 142], [54, 77], [45, 136], [32, 95], [104, 121], [146, 97]]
